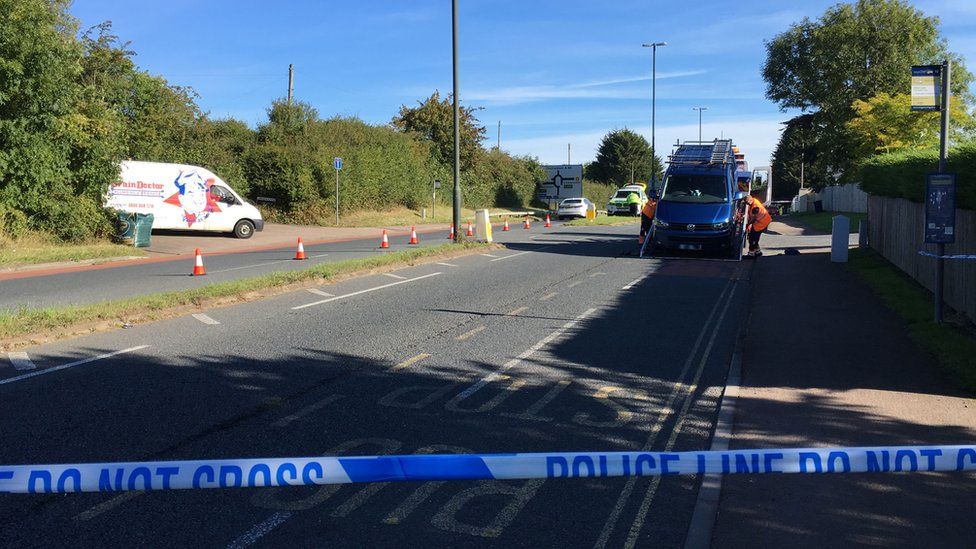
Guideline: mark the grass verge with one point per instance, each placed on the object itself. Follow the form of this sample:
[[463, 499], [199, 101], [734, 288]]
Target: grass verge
[[398, 217], [35, 251], [602, 220], [951, 345], [823, 221], [28, 326]]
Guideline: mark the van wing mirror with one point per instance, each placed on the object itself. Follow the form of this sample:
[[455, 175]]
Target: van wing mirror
[[741, 195]]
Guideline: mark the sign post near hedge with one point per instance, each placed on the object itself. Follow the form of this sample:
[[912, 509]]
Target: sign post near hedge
[[930, 92]]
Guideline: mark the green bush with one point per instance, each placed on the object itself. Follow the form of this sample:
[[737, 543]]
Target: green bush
[[902, 174]]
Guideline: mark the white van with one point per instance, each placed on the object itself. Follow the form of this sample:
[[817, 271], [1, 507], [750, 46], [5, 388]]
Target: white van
[[183, 197]]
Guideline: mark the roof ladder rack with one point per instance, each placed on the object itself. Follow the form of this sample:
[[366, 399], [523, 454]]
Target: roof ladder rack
[[721, 150]]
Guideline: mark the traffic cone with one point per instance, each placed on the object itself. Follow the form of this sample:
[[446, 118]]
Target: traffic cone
[[450, 235], [470, 230], [385, 243], [413, 236], [548, 222], [527, 225], [505, 227], [198, 269], [300, 253]]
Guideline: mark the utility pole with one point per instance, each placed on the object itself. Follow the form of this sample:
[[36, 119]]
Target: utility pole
[[943, 153], [457, 124], [699, 109], [291, 81], [569, 153], [498, 136], [654, 47]]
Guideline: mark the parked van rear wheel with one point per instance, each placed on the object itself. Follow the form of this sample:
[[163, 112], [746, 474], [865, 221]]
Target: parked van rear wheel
[[244, 229]]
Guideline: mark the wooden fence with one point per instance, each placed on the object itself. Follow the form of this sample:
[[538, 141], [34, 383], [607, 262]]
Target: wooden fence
[[896, 233]]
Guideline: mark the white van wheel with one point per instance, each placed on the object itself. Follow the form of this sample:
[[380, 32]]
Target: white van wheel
[[244, 229]]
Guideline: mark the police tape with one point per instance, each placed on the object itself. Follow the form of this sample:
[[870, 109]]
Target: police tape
[[957, 256], [254, 473]]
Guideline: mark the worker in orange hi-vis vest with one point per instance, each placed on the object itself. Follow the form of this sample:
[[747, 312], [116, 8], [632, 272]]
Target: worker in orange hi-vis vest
[[757, 221], [647, 216]]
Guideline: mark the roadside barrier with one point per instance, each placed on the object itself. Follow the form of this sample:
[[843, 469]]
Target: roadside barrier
[[300, 252], [198, 269], [413, 236], [385, 242], [253, 473], [958, 256]]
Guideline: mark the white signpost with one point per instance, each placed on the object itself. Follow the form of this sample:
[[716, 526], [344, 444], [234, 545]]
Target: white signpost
[[337, 163]]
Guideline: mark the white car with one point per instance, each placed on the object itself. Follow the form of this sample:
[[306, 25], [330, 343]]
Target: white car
[[573, 207]]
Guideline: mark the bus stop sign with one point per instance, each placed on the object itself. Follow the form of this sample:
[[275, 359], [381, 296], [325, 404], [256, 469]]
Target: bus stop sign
[[940, 208]]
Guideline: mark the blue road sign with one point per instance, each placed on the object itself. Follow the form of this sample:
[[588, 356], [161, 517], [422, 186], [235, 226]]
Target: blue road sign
[[940, 208], [337, 162]]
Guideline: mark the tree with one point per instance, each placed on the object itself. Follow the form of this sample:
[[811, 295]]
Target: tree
[[795, 159], [853, 52], [433, 120], [622, 158], [885, 123]]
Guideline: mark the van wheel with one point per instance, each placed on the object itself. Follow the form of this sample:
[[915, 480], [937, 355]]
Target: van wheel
[[244, 229]]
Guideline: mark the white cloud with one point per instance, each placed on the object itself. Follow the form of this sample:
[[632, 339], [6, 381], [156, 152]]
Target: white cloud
[[594, 89]]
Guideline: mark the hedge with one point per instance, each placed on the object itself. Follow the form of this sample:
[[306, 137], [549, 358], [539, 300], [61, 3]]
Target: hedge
[[902, 174]]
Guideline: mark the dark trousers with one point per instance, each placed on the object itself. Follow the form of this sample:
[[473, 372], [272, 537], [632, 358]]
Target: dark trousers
[[645, 224], [754, 238]]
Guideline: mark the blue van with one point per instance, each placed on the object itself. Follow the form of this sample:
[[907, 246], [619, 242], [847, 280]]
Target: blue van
[[700, 206]]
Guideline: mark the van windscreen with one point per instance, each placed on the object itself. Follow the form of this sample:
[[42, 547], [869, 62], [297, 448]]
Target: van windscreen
[[695, 188]]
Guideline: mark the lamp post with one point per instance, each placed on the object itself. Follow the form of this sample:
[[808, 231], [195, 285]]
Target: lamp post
[[699, 109], [457, 124], [653, 46]]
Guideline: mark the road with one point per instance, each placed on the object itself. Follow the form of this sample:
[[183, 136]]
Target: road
[[560, 343]]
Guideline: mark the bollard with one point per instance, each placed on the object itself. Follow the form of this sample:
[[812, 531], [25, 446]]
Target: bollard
[[862, 234], [839, 239]]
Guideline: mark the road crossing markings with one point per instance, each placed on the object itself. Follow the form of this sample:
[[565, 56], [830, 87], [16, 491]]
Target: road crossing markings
[[446, 264], [525, 355], [260, 530], [204, 318], [20, 361], [410, 361], [317, 291], [108, 505], [652, 487], [516, 312], [547, 297], [283, 422], [70, 365], [470, 333], [611, 522], [360, 292], [396, 276], [532, 413]]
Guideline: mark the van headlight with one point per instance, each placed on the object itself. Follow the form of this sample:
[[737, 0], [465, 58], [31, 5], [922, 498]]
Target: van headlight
[[721, 226], [661, 224]]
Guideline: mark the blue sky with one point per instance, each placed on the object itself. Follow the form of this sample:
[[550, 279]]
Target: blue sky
[[553, 72]]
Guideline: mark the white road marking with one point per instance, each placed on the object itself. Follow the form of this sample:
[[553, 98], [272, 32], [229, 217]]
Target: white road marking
[[525, 355], [446, 264], [204, 318], [575, 284], [317, 291], [508, 256], [396, 276], [645, 506], [21, 361], [490, 255], [283, 422], [515, 312], [410, 361], [547, 297], [259, 530], [108, 505], [470, 333], [70, 365], [634, 283], [360, 292], [611, 522], [594, 275], [532, 413], [317, 256], [212, 271]]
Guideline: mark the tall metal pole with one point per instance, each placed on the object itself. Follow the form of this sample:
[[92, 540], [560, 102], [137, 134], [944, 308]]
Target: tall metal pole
[[337, 197], [498, 143], [569, 153], [291, 81], [699, 109], [653, 47], [457, 125], [943, 153]]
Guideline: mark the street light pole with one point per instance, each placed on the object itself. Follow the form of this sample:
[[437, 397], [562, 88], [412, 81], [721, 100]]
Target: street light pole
[[653, 46], [699, 109], [457, 125]]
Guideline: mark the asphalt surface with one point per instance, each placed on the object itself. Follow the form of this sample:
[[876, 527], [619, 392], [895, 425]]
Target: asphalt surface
[[630, 354]]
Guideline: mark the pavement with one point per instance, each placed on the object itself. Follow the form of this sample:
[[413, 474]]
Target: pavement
[[825, 363], [564, 342]]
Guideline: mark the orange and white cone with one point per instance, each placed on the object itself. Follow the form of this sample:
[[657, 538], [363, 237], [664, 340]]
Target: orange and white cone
[[548, 222], [470, 230], [198, 269], [300, 252], [385, 243], [505, 226], [527, 225], [450, 235], [413, 236]]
